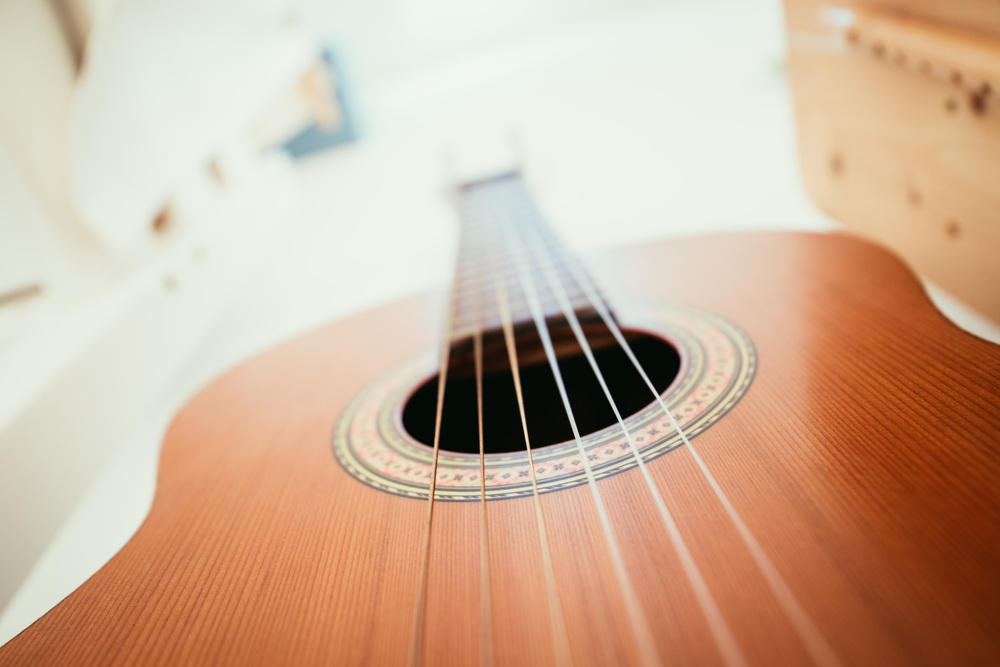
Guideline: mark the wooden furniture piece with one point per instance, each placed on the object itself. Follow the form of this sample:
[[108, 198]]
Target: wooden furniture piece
[[898, 113]]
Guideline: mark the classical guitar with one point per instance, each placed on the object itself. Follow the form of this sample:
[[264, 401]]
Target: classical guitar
[[757, 449]]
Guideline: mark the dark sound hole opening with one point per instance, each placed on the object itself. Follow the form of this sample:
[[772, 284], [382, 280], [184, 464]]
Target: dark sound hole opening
[[546, 417]]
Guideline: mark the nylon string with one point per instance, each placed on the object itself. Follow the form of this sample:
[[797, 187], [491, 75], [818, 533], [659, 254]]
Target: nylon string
[[416, 646], [485, 608], [560, 638], [816, 645], [724, 639], [637, 620]]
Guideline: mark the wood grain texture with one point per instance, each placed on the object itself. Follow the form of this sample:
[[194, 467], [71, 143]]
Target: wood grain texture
[[864, 458], [901, 142]]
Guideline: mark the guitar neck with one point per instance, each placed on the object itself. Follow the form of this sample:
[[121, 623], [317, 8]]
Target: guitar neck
[[505, 245]]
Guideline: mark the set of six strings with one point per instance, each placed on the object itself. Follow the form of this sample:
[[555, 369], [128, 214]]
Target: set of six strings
[[511, 216]]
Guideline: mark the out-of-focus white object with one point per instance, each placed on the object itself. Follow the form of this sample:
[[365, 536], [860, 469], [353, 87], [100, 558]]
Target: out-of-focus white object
[[90, 372], [165, 120], [166, 86]]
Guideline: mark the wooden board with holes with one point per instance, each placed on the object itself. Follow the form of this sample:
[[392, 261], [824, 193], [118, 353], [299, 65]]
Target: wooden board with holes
[[898, 114]]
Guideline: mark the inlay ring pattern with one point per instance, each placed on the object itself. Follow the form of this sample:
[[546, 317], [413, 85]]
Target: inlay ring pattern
[[718, 363]]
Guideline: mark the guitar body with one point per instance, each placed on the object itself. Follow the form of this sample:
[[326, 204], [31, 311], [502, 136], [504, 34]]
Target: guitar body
[[864, 457]]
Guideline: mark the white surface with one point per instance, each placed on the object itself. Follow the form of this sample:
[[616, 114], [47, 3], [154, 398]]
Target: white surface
[[962, 315], [36, 80], [42, 243], [104, 362], [22, 221], [167, 85], [40, 240], [389, 37], [167, 89], [665, 121]]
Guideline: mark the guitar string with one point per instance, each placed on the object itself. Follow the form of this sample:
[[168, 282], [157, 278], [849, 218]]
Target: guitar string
[[485, 604], [724, 639], [416, 646], [560, 638], [637, 620], [815, 643]]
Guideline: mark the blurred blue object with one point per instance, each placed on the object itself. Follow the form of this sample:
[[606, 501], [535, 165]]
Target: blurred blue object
[[315, 138]]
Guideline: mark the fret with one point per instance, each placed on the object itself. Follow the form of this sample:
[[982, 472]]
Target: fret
[[497, 218]]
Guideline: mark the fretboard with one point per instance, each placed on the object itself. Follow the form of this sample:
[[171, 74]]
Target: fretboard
[[505, 239]]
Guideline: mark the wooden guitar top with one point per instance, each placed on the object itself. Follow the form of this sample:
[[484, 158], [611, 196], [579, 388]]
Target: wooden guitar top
[[864, 459]]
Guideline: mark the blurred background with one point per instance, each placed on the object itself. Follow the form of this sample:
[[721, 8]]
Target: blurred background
[[184, 183]]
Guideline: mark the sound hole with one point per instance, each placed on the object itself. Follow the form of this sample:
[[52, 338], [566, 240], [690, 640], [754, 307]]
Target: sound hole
[[546, 416]]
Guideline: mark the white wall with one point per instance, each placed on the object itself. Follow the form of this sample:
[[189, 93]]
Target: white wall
[[81, 362], [385, 38], [36, 79]]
